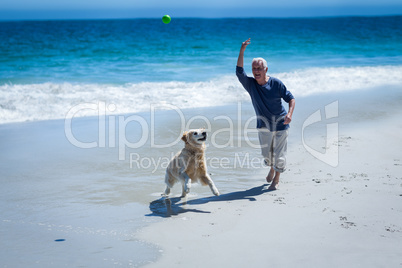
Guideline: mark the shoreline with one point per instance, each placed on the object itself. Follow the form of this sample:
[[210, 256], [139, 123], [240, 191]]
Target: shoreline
[[52, 100]]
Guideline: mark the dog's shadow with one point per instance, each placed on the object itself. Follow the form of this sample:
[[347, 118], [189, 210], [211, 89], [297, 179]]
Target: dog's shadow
[[167, 207]]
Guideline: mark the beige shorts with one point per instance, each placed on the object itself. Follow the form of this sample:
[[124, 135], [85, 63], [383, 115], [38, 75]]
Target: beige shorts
[[274, 148]]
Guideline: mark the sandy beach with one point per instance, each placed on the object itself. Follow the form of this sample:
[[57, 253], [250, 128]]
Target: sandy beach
[[322, 216], [67, 206]]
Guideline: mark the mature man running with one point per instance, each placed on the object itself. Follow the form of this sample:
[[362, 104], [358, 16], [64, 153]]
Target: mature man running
[[272, 119]]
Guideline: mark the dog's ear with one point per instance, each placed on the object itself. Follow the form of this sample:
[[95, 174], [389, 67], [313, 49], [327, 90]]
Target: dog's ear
[[184, 137]]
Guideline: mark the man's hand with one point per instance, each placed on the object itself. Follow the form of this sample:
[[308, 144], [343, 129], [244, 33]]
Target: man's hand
[[245, 44], [288, 119], [241, 54]]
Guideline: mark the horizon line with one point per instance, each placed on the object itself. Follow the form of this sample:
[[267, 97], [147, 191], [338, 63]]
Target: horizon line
[[204, 18], [277, 12]]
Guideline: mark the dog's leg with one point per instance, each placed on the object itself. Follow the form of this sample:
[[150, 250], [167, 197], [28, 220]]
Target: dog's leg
[[169, 184], [207, 180], [167, 191], [186, 183], [183, 191]]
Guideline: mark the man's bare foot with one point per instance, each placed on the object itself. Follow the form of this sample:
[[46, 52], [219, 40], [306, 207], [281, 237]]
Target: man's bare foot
[[273, 186], [275, 182], [270, 175]]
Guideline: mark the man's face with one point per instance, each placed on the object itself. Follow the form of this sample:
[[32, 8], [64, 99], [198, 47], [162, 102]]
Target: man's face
[[259, 71]]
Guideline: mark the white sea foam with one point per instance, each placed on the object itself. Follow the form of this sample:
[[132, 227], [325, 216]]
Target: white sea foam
[[322, 80], [30, 102]]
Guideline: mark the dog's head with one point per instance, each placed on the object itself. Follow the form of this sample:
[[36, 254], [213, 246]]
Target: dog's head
[[195, 137]]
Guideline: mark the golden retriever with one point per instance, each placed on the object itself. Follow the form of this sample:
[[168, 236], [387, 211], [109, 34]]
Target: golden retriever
[[189, 165]]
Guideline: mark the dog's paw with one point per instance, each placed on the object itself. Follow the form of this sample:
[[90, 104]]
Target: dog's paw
[[187, 188], [215, 192], [167, 192]]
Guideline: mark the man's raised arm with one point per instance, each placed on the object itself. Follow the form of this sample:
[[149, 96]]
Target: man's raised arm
[[240, 60]]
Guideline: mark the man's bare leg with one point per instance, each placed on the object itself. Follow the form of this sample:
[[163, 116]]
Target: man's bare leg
[[275, 181], [270, 175]]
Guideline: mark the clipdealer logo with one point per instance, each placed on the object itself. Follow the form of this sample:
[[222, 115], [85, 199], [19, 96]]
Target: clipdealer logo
[[331, 154], [112, 133], [111, 136]]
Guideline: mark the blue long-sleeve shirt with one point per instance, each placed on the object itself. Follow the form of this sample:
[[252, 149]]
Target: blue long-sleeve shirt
[[267, 100]]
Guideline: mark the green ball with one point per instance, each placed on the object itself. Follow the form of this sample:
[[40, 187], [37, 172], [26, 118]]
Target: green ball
[[166, 19]]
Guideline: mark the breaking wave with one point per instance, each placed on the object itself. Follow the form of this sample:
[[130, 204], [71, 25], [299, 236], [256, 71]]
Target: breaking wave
[[46, 101]]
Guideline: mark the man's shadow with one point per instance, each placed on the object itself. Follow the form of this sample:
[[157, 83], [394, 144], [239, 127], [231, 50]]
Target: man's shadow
[[167, 207]]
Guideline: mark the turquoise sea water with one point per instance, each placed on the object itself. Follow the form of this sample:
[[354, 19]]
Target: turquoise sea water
[[60, 63]]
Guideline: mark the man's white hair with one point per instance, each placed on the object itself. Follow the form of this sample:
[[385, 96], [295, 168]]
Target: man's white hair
[[264, 62]]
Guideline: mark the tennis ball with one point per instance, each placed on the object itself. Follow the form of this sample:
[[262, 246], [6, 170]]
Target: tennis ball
[[166, 19]]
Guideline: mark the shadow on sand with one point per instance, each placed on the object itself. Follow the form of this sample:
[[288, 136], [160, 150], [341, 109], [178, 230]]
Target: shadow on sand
[[167, 207]]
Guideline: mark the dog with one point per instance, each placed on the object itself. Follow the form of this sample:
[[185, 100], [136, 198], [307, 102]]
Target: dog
[[189, 165]]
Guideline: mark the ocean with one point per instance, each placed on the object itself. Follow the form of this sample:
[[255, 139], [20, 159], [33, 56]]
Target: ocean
[[47, 67]]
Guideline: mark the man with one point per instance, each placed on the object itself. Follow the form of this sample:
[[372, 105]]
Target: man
[[272, 119]]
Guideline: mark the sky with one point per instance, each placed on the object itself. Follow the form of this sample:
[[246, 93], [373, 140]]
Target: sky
[[107, 9]]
